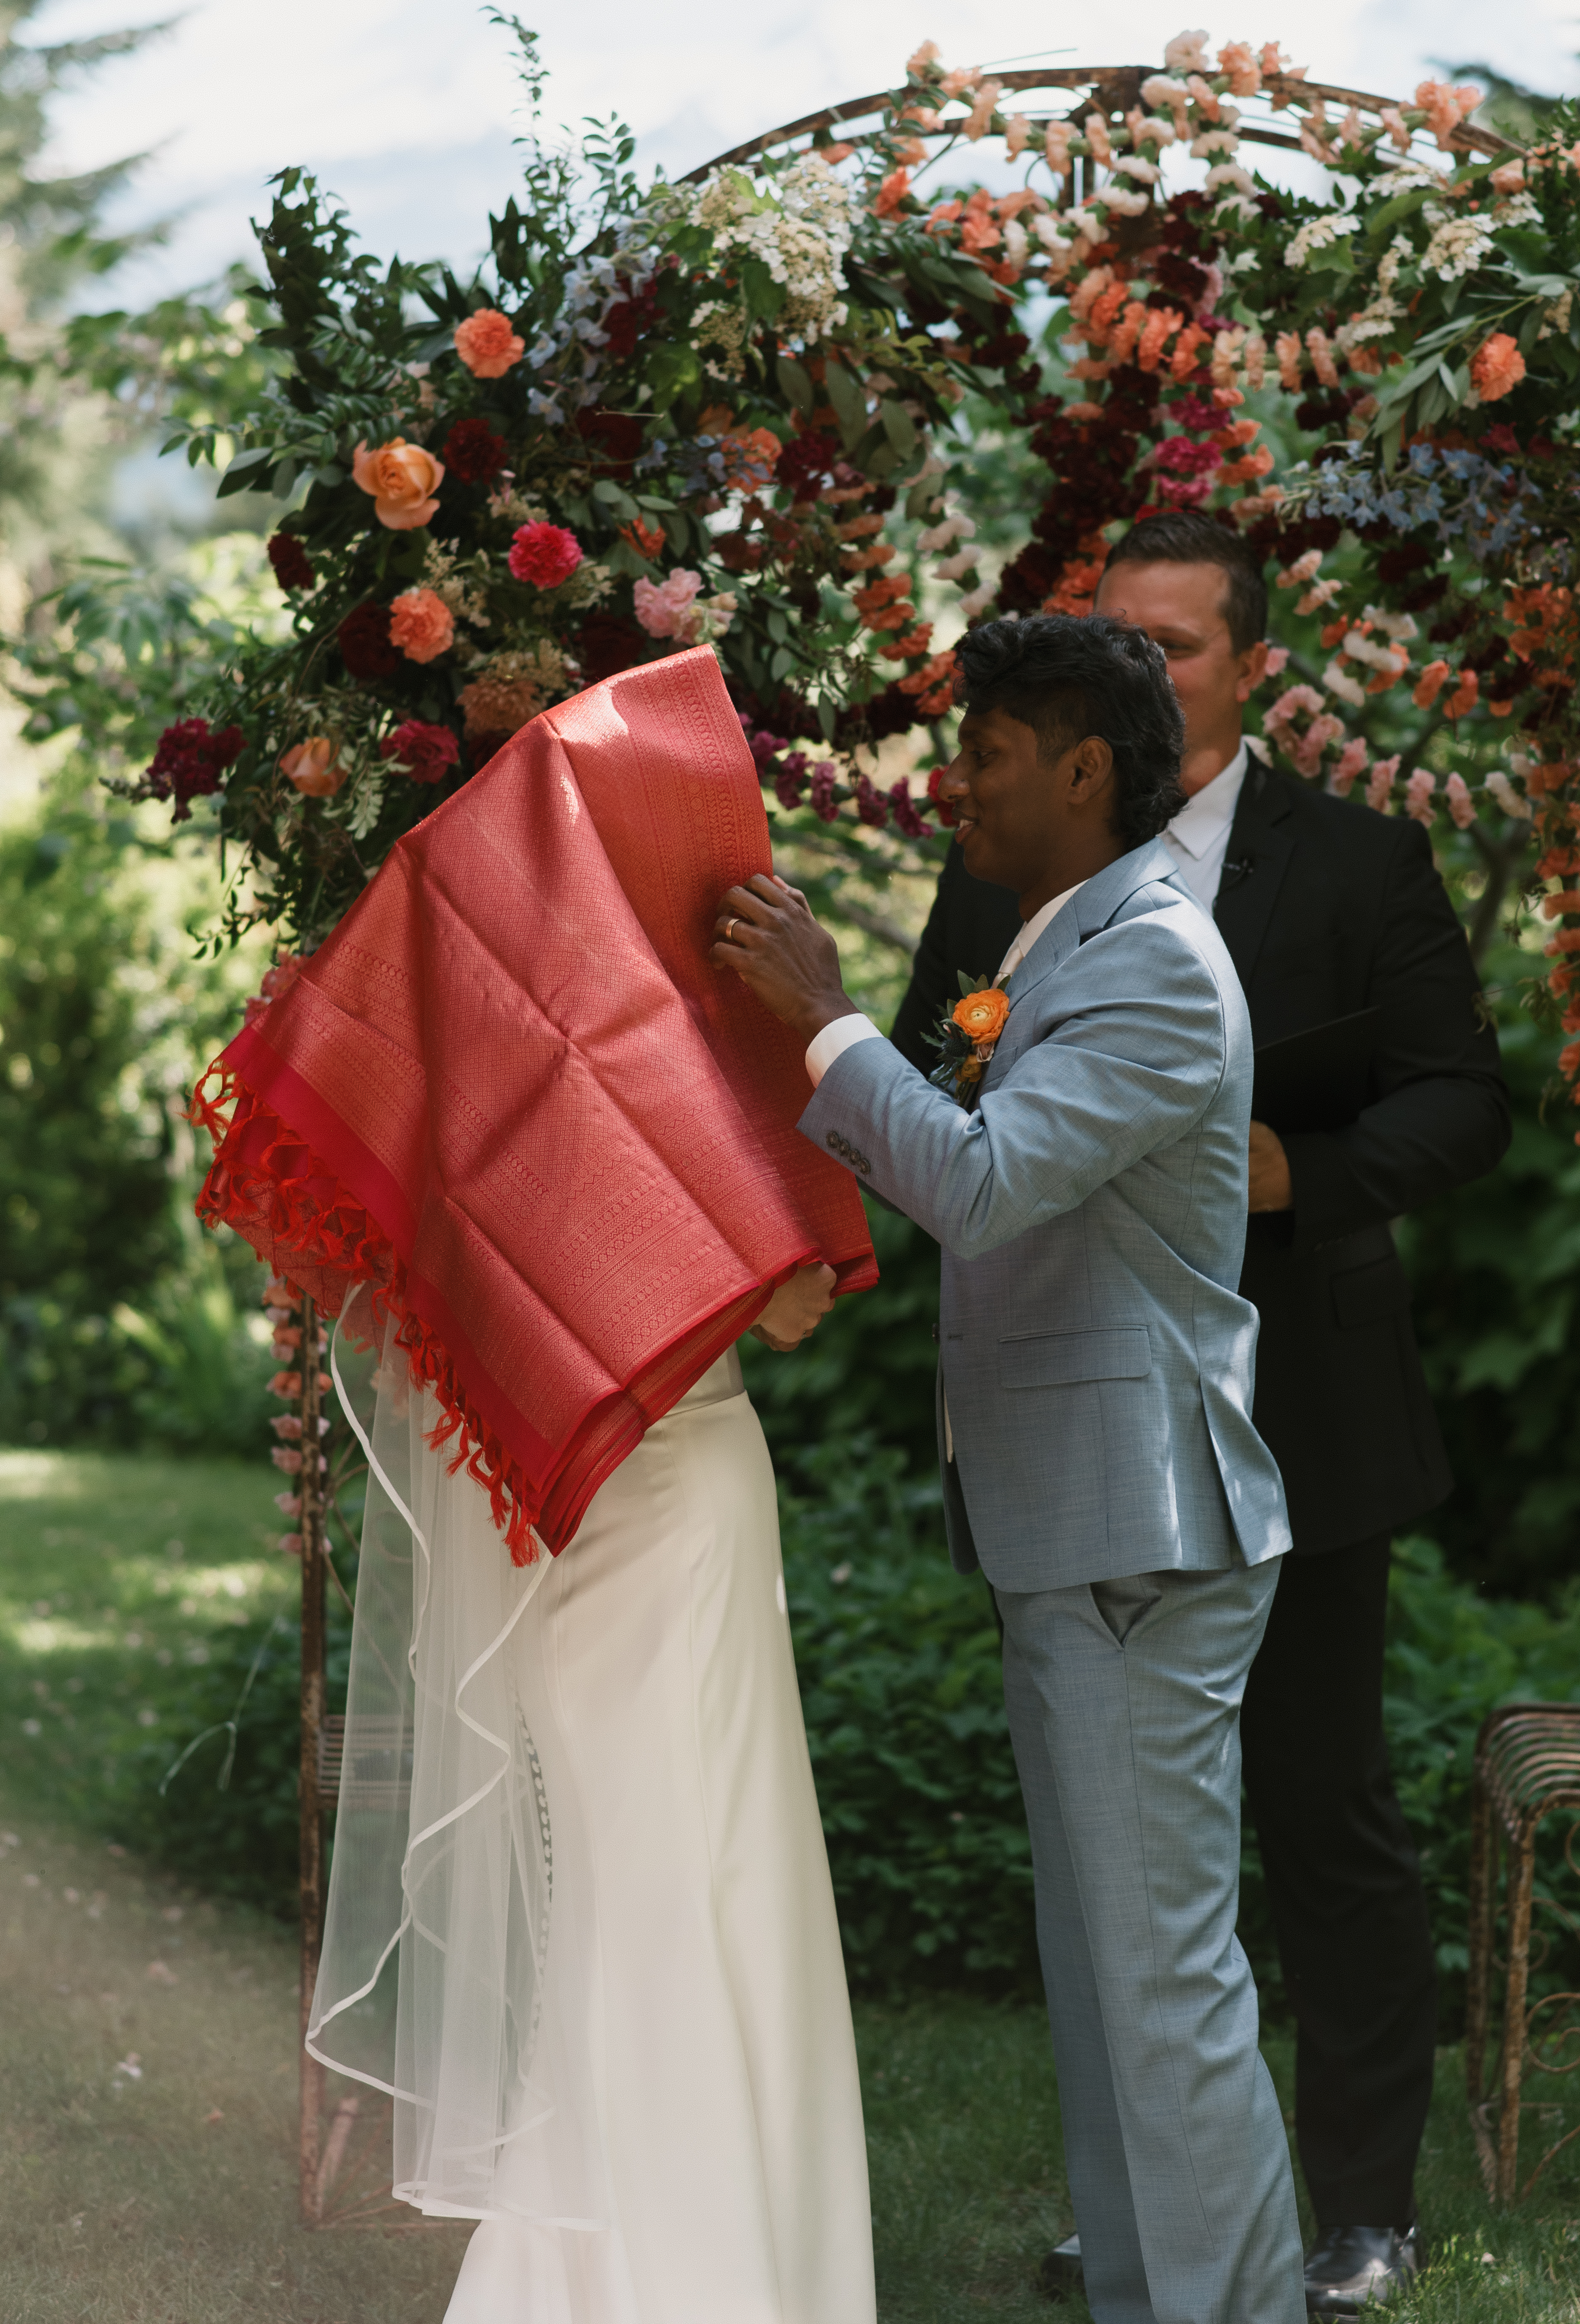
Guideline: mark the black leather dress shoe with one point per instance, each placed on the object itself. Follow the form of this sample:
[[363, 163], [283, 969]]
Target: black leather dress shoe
[[1060, 2272], [1350, 2268]]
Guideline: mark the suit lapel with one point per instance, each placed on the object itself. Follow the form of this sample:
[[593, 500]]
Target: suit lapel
[[1092, 908], [1261, 840]]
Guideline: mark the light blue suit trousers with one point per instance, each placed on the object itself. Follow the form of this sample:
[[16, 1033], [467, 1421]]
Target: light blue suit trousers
[[1124, 1700]]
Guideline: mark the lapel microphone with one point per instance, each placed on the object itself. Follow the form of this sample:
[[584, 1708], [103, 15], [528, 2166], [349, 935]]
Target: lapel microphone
[[1240, 869]]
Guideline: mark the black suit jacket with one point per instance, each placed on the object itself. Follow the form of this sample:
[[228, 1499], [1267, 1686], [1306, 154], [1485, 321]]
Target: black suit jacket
[[1325, 909]]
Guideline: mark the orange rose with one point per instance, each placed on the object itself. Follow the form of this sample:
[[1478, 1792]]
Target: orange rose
[[421, 624], [312, 768], [402, 479], [981, 1015], [486, 345]]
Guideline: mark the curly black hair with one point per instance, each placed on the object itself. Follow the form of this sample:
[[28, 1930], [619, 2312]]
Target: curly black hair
[[1187, 537], [1065, 678]]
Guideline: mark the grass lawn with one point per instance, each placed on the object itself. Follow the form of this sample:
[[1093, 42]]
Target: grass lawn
[[167, 2195]]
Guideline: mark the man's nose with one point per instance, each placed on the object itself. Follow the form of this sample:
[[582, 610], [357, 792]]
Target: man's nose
[[952, 783]]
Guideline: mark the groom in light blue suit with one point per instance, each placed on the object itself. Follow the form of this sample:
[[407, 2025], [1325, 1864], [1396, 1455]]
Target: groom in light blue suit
[[1085, 1176]]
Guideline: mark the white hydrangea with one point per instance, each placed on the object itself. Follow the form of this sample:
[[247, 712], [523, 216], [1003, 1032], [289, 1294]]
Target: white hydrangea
[[1319, 234], [1520, 209], [1404, 178], [1458, 244], [799, 225]]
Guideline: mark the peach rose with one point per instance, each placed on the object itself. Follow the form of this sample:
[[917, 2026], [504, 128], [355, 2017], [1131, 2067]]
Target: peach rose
[[981, 1015], [312, 768], [402, 479], [487, 344], [421, 624], [1496, 366]]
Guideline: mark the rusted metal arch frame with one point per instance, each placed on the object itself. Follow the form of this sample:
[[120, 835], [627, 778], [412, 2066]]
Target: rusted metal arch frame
[[1119, 87]]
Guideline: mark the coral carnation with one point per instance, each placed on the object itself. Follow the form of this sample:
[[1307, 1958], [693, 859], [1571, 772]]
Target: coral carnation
[[544, 554], [487, 344], [293, 568], [421, 624], [402, 479], [424, 751], [1496, 366], [473, 453]]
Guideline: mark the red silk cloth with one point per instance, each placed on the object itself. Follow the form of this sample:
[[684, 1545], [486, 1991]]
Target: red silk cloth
[[511, 1092]]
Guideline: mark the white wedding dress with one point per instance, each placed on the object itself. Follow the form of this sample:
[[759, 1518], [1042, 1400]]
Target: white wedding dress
[[621, 2037]]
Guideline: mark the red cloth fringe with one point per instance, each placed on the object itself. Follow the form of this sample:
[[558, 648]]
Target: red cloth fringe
[[268, 1184]]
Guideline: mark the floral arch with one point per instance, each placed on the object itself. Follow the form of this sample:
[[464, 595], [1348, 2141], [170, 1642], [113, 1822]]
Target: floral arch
[[726, 410]]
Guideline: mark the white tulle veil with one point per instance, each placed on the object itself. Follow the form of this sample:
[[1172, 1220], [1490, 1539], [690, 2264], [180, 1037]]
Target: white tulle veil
[[443, 1939]]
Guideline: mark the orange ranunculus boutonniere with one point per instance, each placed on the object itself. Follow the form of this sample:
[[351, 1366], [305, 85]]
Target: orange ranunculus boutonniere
[[981, 1015], [967, 1035]]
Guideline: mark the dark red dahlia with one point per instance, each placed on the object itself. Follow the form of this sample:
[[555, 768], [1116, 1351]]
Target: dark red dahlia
[[426, 752], [473, 453], [613, 435], [806, 464], [188, 759], [292, 567], [608, 642], [363, 639]]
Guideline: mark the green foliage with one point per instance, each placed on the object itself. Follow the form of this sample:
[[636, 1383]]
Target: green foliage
[[1492, 1271], [104, 1018], [900, 1670]]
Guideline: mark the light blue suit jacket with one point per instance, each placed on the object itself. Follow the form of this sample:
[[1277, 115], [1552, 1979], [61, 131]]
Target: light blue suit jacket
[[1098, 1358]]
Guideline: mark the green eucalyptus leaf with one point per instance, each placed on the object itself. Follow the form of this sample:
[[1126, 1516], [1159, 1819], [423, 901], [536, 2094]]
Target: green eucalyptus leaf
[[796, 381], [899, 427]]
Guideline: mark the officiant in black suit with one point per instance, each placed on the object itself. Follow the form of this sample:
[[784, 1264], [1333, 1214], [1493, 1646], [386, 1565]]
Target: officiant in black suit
[[1327, 908]]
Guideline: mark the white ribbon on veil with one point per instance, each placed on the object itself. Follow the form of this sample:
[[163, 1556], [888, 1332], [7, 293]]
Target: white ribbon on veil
[[437, 1939]]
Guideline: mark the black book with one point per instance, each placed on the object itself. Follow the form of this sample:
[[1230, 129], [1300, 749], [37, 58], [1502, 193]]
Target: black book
[[1319, 1079]]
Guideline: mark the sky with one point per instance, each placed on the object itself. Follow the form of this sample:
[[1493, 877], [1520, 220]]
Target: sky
[[406, 108]]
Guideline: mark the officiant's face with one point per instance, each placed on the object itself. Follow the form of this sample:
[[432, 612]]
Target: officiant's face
[[1185, 609]]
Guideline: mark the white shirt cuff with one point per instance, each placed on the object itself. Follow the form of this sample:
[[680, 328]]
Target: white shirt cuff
[[833, 1042]]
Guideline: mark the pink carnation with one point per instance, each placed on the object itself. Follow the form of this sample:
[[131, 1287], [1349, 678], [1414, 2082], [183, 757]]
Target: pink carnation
[[1380, 786], [487, 344], [421, 624], [1418, 795], [544, 554], [1461, 805], [664, 608], [1277, 660], [1298, 698], [1185, 458], [1351, 762]]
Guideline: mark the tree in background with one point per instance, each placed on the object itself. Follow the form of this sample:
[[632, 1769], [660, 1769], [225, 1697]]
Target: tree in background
[[113, 1319]]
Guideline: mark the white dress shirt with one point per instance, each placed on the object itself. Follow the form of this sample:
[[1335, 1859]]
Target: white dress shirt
[[1199, 837]]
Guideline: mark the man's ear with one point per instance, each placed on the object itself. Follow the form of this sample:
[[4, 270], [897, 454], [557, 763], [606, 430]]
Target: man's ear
[[1091, 769], [1251, 669]]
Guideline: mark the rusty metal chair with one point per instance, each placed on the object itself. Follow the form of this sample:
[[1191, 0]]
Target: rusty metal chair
[[1527, 1767]]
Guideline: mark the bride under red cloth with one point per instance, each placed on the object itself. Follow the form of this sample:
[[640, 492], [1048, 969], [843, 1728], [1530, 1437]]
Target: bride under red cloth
[[512, 1094]]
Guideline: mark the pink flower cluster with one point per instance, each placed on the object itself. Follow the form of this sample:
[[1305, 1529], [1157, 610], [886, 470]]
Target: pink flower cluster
[[664, 607]]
